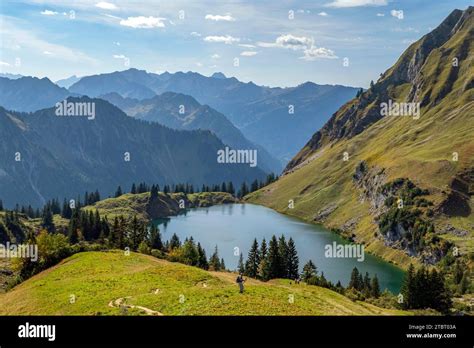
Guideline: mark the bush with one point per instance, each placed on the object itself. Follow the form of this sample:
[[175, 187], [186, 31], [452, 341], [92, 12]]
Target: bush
[[52, 248], [143, 248]]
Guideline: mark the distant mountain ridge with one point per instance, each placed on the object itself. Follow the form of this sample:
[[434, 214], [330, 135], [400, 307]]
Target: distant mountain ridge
[[179, 111], [29, 94], [66, 156], [261, 113]]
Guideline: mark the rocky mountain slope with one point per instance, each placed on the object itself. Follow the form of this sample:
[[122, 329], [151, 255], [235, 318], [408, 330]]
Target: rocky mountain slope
[[402, 185]]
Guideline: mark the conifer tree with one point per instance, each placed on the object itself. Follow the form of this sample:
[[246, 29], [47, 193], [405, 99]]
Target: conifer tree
[[241, 266], [214, 262], [283, 258], [118, 193], [355, 281], [174, 242], [375, 288], [273, 259], [155, 238], [253, 260], [202, 259], [309, 271], [223, 268], [292, 261]]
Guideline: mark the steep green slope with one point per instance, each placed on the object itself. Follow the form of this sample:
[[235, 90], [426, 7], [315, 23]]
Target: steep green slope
[[111, 283], [435, 152]]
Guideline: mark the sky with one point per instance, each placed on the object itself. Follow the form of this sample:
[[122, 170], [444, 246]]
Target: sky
[[273, 43]]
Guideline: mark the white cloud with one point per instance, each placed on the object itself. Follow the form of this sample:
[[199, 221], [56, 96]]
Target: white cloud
[[228, 17], [199, 64], [119, 56], [143, 22], [380, 15], [247, 45], [33, 44], [49, 13], [397, 14], [195, 34], [356, 3], [106, 5], [314, 53], [215, 56], [306, 44], [248, 53], [289, 41], [324, 14], [47, 53], [4, 63], [228, 40], [112, 16]]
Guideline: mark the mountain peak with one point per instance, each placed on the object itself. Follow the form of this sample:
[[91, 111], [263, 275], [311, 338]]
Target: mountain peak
[[219, 75]]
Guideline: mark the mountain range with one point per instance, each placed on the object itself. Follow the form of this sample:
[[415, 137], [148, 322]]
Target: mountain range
[[279, 119], [179, 111], [45, 156]]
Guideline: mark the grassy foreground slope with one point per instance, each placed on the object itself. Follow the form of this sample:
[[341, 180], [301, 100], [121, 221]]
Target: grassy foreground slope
[[435, 151], [102, 281]]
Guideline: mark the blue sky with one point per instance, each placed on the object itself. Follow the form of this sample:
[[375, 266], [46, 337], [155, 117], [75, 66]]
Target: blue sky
[[277, 43]]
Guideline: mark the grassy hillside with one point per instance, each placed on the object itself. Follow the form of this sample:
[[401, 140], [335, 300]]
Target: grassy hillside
[[322, 184], [103, 281]]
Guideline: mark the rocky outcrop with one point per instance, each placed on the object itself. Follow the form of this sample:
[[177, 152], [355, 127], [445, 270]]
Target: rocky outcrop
[[461, 188], [165, 205]]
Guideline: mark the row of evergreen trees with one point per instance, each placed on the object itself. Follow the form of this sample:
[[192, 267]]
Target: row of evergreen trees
[[278, 260], [425, 289], [65, 209], [367, 286]]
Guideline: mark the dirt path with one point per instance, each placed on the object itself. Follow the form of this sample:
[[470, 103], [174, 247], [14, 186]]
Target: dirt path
[[120, 303]]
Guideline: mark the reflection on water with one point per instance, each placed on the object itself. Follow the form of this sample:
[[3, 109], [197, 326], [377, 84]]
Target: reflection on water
[[231, 226]]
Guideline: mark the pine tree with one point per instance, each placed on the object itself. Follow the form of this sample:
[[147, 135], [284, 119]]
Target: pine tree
[[47, 221], [263, 249], [367, 287], [273, 259], [355, 281], [223, 268], [189, 252], [241, 267], [283, 256], [202, 259], [174, 242], [214, 262], [118, 193], [253, 260], [153, 194], [155, 238], [407, 289], [309, 271], [292, 261], [374, 287]]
